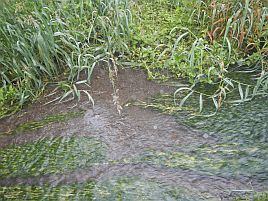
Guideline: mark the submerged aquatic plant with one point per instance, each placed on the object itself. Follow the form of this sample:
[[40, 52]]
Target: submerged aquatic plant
[[33, 125], [70, 192], [51, 155], [118, 188], [227, 160]]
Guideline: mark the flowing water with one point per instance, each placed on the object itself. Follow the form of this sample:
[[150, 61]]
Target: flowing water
[[74, 151]]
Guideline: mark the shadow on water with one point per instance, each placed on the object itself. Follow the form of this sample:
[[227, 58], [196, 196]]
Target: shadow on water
[[62, 152]]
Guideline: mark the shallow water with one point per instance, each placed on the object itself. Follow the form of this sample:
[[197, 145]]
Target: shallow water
[[62, 152]]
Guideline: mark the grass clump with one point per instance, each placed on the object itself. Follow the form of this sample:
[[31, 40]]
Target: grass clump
[[7, 101], [42, 40]]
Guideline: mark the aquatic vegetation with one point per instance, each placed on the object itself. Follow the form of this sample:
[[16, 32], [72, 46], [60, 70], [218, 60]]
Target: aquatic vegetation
[[65, 192], [139, 189], [51, 155], [114, 189], [241, 123], [259, 196], [228, 160], [32, 125], [240, 130], [218, 48]]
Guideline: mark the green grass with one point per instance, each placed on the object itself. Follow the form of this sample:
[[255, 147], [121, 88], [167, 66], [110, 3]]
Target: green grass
[[46, 42], [203, 43]]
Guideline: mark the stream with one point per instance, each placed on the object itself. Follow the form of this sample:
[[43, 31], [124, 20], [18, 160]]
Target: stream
[[74, 151]]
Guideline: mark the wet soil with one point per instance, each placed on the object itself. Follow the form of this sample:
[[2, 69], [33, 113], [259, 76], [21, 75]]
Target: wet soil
[[127, 135]]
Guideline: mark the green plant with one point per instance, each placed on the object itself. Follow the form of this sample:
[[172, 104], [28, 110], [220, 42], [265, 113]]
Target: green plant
[[235, 35], [48, 39]]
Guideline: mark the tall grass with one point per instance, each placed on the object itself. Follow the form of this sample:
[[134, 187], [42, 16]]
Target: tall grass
[[236, 34], [41, 41], [59, 41], [205, 42]]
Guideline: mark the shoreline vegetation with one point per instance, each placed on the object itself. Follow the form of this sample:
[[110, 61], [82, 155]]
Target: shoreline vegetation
[[218, 47]]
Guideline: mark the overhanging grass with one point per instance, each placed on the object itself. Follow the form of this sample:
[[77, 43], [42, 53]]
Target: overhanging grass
[[41, 40]]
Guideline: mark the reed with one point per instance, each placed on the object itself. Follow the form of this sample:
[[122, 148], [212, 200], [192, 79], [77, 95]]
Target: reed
[[56, 42], [41, 41], [236, 34]]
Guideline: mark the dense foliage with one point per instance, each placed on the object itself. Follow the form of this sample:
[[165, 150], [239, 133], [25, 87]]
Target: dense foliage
[[221, 44], [41, 41], [220, 47]]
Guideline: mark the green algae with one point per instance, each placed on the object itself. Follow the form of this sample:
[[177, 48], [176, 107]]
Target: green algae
[[51, 155], [65, 192], [33, 125], [133, 188], [121, 188], [228, 160]]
